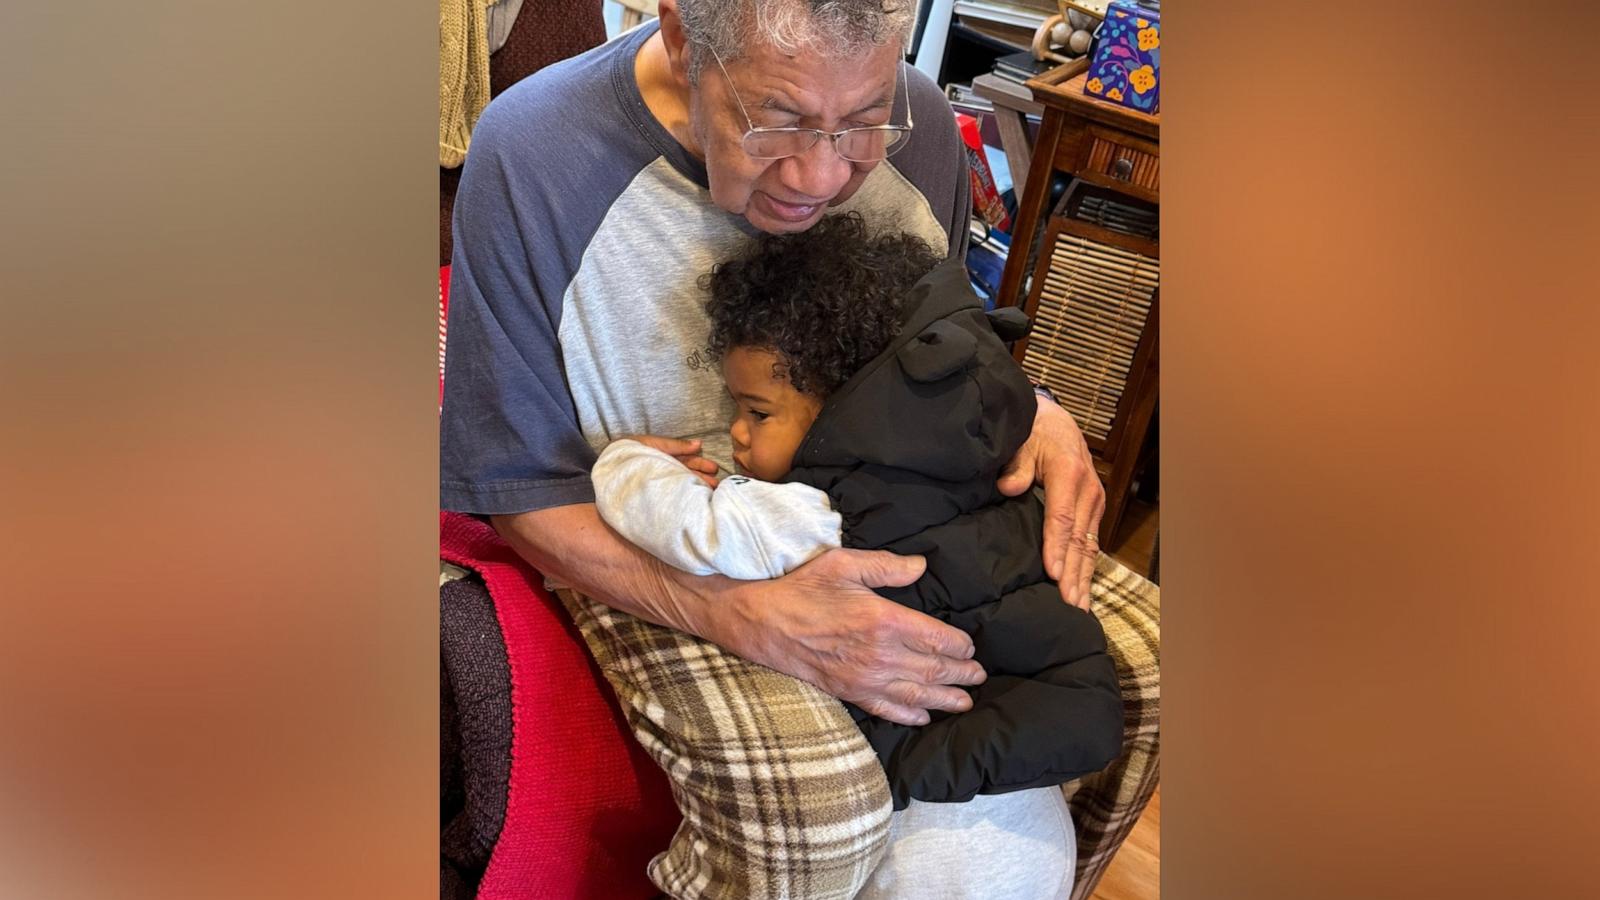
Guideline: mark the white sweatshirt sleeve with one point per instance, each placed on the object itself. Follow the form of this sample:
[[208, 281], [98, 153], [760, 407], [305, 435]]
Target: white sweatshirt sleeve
[[744, 529]]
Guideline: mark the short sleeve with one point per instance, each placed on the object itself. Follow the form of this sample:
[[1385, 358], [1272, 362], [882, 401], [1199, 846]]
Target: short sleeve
[[509, 438]]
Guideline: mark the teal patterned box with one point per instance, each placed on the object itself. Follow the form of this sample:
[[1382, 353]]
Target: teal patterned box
[[1126, 68]]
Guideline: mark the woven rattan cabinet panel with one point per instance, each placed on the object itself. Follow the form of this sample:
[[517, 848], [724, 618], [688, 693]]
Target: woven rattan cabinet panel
[[1094, 303], [1094, 294]]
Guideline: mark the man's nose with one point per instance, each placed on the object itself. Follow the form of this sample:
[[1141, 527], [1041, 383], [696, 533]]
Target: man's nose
[[817, 174]]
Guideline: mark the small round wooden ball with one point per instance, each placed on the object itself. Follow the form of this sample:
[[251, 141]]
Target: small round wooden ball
[[1060, 34], [1078, 41]]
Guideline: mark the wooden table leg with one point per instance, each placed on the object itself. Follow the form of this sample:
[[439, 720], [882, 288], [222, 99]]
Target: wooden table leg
[[1127, 457], [1035, 194], [1013, 126]]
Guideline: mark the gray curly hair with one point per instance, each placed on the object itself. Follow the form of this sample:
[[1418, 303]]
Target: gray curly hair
[[835, 28]]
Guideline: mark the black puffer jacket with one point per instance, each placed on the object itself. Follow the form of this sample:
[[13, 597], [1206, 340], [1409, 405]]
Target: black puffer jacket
[[909, 450]]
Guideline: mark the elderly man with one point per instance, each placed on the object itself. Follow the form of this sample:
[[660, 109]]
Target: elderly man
[[596, 194]]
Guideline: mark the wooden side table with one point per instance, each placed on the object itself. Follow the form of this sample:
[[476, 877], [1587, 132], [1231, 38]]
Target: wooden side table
[[1094, 295]]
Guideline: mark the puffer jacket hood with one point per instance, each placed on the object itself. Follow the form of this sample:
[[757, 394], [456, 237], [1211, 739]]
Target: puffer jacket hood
[[965, 425]]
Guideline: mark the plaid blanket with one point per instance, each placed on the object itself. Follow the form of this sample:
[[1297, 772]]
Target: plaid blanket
[[781, 794], [1106, 805]]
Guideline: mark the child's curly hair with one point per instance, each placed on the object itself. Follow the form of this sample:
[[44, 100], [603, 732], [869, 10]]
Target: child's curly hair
[[826, 300]]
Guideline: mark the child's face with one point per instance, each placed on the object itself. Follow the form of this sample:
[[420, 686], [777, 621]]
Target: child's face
[[773, 417]]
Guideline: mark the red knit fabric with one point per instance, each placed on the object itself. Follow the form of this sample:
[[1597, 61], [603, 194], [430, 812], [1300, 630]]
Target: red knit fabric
[[586, 807]]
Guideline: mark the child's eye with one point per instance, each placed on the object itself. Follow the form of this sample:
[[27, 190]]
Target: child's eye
[[758, 415]]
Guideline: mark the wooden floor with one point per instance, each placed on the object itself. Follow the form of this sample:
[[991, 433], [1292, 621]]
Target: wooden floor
[[1136, 536], [1135, 872]]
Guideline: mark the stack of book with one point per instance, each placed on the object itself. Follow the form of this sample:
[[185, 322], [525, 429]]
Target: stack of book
[[1020, 67]]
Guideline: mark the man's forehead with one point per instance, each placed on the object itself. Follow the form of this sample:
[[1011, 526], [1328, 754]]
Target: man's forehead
[[810, 86], [864, 71]]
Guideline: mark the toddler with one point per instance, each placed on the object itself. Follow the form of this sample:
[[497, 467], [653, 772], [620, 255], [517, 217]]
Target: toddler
[[876, 407]]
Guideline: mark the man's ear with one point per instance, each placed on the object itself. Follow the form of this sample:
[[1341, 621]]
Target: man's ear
[[674, 40]]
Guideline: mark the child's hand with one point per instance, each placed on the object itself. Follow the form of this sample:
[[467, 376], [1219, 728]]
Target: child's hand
[[686, 452]]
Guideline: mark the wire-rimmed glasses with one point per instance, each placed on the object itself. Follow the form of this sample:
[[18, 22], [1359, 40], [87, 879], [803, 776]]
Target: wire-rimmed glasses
[[868, 143]]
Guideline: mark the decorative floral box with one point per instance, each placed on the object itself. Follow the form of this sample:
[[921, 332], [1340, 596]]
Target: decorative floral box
[[1126, 66]]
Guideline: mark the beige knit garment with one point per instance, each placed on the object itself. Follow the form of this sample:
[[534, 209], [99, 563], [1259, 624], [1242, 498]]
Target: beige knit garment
[[463, 74]]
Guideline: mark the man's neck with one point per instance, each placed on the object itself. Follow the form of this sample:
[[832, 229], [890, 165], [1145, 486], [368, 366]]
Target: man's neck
[[663, 96]]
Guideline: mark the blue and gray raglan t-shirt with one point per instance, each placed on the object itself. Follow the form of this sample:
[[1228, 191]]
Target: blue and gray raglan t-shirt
[[581, 232]]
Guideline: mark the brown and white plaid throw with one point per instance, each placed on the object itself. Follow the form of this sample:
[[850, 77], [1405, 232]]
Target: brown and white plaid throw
[[781, 794], [1106, 805]]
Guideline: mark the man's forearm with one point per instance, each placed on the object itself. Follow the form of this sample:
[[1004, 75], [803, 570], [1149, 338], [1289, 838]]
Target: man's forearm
[[573, 545], [821, 623]]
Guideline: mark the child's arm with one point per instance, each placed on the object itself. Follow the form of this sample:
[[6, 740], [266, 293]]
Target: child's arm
[[744, 528]]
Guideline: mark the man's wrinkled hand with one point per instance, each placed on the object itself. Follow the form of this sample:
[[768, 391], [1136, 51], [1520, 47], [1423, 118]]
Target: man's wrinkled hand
[[1056, 457], [823, 623], [686, 452]]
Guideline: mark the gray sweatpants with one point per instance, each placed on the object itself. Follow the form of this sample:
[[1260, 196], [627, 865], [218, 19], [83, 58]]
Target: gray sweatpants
[[1016, 846]]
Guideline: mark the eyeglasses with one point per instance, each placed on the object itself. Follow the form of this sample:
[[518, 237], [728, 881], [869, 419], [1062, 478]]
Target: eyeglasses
[[865, 144]]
